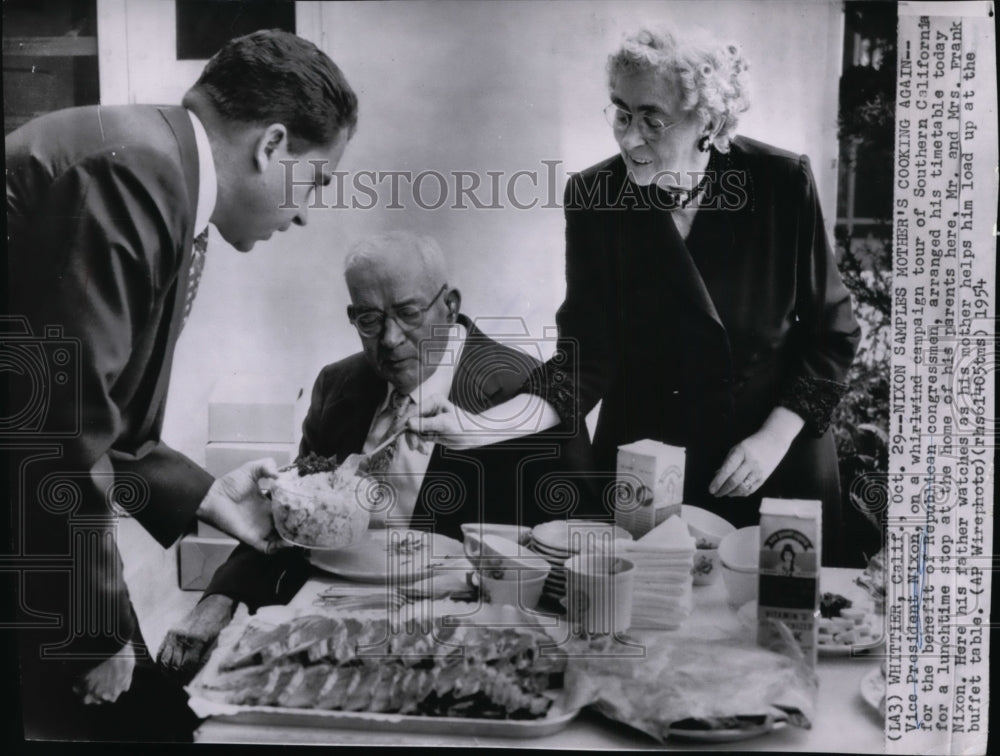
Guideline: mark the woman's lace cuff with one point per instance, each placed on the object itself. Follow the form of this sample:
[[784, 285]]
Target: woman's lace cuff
[[814, 400], [554, 385]]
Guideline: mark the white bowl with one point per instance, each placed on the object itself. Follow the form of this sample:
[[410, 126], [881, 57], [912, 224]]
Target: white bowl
[[741, 587], [704, 524], [740, 550], [321, 517]]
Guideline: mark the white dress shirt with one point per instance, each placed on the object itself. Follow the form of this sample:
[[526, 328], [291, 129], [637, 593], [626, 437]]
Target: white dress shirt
[[208, 187], [408, 466]]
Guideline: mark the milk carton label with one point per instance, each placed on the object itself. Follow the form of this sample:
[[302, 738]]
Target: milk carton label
[[790, 532], [650, 485]]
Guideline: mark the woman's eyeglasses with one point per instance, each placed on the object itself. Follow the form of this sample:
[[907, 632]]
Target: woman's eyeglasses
[[651, 127], [408, 316]]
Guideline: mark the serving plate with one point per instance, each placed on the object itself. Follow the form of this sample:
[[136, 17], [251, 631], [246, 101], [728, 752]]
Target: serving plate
[[374, 561], [747, 615], [556, 720], [204, 706], [873, 690], [726, 736], [557, 536]]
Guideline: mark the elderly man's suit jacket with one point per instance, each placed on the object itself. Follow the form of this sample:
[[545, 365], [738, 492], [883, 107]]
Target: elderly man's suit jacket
[[520, 481]]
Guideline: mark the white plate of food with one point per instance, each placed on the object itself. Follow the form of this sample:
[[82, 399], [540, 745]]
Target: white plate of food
[[873, 689], [399, 555], [848, 627], [860, 631]]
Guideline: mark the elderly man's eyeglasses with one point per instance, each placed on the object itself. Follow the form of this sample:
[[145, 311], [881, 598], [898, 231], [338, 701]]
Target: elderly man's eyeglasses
[[651, 127], [408, 316]]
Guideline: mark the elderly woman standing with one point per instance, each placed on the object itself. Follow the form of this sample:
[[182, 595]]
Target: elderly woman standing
[[702, 294], [703, 302]]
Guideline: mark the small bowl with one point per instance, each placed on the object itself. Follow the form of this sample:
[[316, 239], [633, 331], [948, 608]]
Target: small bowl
[[741, 587], [706, 525], [706, 566], [516, 588], [740, 550], [706, 528], [739, 555]]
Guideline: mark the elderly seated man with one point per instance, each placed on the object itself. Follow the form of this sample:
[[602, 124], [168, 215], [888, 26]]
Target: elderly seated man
[[420, 356]]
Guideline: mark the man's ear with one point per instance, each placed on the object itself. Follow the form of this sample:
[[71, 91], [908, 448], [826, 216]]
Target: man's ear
[[454, 301], [272, 142]]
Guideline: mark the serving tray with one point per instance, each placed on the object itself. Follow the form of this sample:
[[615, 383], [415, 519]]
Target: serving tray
[[556, 719]]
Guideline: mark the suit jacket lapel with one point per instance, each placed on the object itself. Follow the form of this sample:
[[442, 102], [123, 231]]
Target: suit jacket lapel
[[355, 408], [180, 124], [680, 268]]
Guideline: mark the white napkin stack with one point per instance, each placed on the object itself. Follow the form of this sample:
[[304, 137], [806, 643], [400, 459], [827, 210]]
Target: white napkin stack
[[663, 560]]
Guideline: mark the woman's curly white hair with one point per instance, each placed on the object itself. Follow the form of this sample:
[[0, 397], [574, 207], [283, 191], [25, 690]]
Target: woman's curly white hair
[[710, 76]]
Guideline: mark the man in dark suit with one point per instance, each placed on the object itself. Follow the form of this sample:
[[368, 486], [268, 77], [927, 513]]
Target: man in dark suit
[[106, 209], [419, 354]]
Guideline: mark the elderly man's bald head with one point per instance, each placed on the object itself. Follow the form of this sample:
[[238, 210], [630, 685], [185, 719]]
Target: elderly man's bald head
[[400, 300], [400, 251]]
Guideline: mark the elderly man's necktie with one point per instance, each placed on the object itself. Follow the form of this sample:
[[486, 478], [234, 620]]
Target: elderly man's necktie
[[198, 249], [389, 421]]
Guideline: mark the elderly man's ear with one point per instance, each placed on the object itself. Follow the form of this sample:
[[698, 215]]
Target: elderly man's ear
[[453, 299]]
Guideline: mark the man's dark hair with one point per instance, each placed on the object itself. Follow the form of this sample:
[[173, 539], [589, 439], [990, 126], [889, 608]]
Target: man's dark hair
[[273, 76]]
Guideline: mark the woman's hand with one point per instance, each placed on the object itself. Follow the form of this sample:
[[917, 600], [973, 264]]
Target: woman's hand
[[443, 423], [235, 505], [109, 679], [754, 459]]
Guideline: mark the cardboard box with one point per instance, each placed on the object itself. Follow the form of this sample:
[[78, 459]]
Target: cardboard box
[[222, 457], [208, 531], [651, 485], [198, 558], [791, 533], [256, 409]]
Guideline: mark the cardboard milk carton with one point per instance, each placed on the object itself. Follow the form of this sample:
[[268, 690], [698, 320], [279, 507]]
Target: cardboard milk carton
[[790, 535], [650, 485]]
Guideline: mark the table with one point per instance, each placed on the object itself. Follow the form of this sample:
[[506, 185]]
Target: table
[[844, 723]]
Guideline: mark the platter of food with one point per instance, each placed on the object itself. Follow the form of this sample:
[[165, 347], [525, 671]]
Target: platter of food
[[397, 555], [357, 670], [873, 689], [844, 629]]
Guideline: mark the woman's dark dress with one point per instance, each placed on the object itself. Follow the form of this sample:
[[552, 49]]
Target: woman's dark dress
[[694, 342]]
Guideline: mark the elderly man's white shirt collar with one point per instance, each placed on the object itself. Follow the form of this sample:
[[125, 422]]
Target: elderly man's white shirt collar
[[208, 188]]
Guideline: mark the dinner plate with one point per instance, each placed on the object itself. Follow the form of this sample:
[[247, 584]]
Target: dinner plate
[[517, 533], [747, 615], [374, 561], [726, 736], [547, 552], [873, 690], [556, 535]]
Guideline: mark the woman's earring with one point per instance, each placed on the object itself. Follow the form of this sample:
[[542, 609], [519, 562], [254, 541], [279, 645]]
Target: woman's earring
[[704, 143]]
